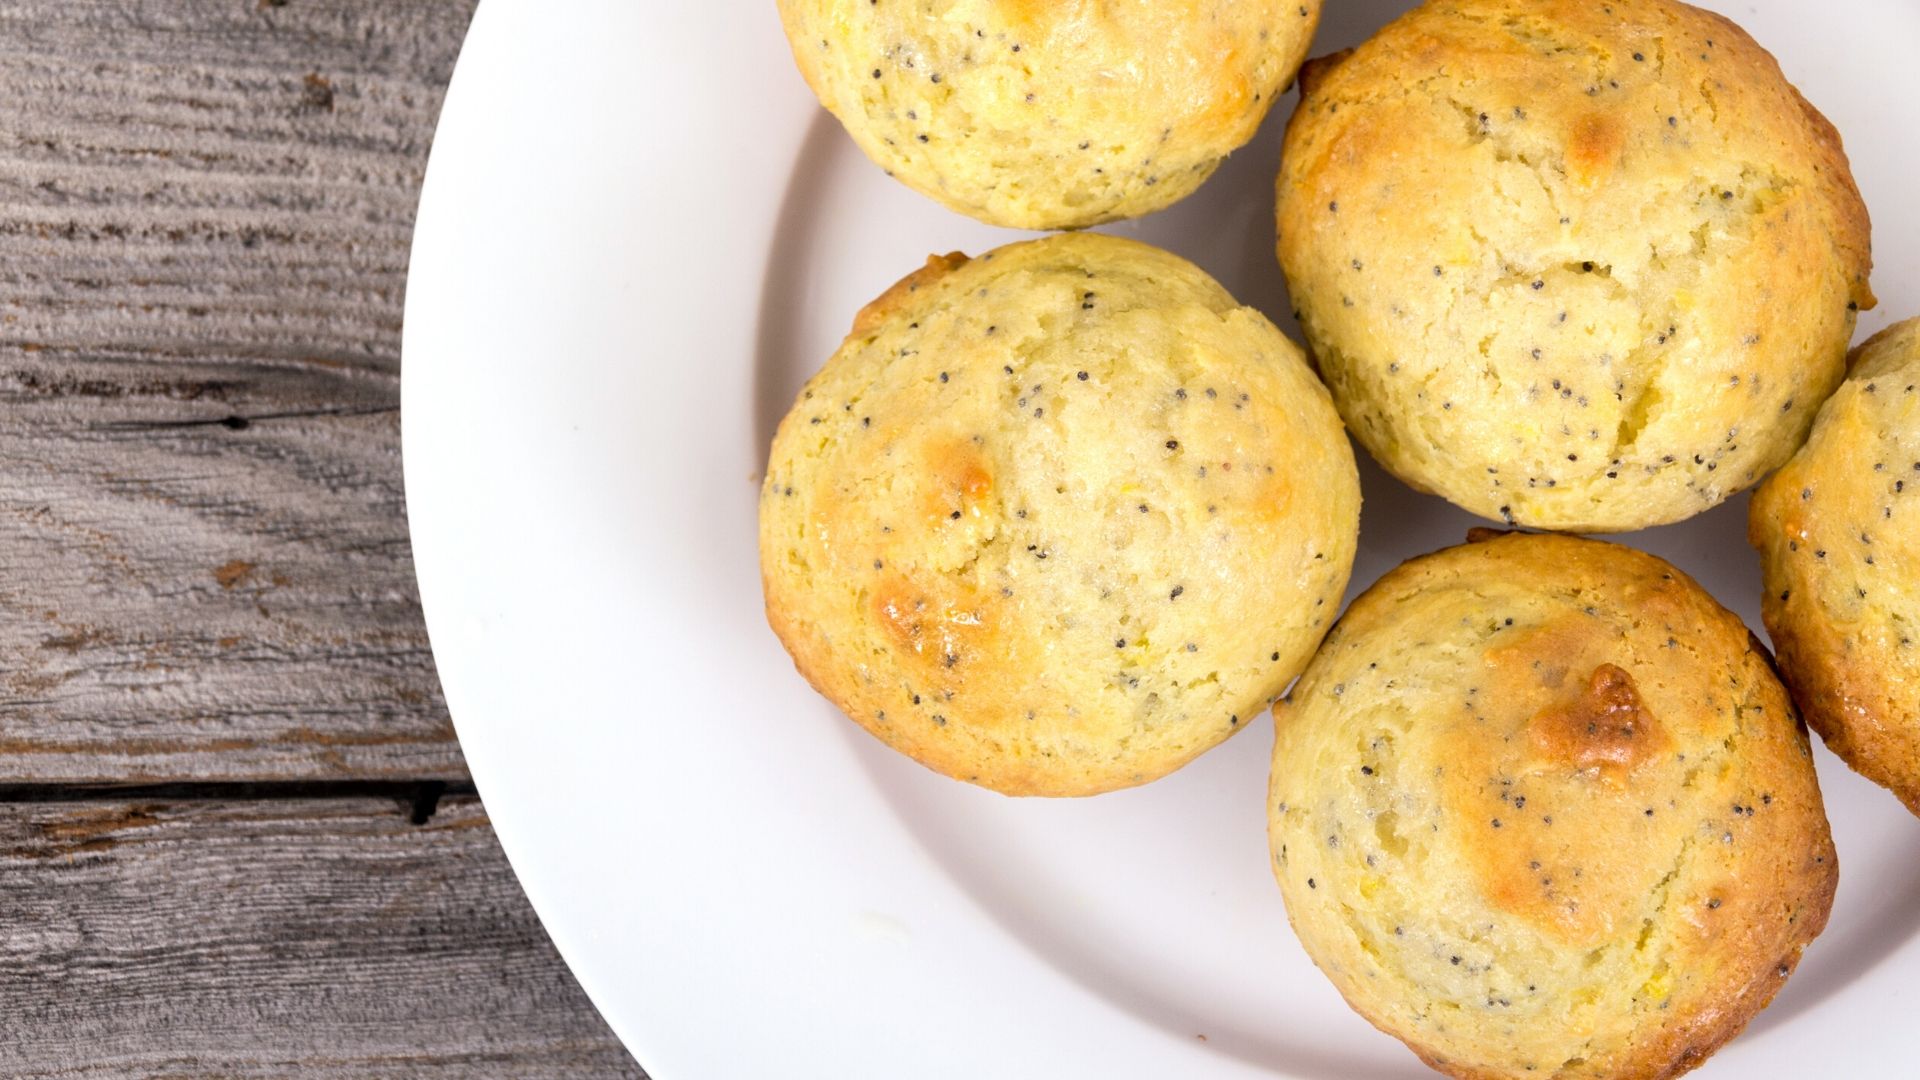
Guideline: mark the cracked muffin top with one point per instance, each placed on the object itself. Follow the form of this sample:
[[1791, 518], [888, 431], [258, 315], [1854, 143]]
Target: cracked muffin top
[[1571, 265], [1057, 519], [1838, 530], [1049, 114], [1540, 808]]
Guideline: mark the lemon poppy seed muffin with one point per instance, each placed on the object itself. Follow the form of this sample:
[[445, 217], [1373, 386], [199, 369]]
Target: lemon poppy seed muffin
[[1838, 531], [1571, 265], [1049, 115], [1057, 519], [1540, 808]]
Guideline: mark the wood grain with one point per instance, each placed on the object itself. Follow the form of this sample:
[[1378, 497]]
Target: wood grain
[[277, 938], [205, 209], [205, 583]]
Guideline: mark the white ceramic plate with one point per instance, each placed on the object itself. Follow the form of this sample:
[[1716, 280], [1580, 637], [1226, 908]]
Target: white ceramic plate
[[639, 235]]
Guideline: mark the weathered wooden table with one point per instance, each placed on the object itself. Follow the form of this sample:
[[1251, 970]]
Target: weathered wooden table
[[237, 837]]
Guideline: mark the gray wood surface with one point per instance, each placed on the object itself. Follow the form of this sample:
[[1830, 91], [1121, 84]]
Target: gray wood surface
[[205, 209], [205, 582], [325, 938]]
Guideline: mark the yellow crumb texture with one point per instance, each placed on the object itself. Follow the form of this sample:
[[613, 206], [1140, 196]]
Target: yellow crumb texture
[[1057, 519], [1540, 808], [1838, 530], [1571, 265], [1049, 114]]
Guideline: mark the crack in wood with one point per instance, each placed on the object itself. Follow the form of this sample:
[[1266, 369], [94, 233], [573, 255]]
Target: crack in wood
[[419, 798], [237, 422]]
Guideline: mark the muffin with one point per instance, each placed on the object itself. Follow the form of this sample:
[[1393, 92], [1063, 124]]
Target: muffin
[[1057, 519], [1540, 807], [1571, 265], [1839, 536], [1050, 115]]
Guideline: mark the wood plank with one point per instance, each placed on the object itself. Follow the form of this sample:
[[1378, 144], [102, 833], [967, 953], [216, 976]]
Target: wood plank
[[204, 574], [280, 938], [205, 207]]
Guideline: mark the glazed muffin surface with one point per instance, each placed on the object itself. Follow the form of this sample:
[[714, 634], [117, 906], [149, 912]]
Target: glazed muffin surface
[[1540, 807], [1049, 115], [1057, 519], [1838, 530], [1571, 265]]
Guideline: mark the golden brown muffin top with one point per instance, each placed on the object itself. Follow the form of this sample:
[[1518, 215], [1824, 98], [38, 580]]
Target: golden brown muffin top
[[1838, 531], [1057, 519], [1541, 808], [1050, 113], [1575, 265]]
